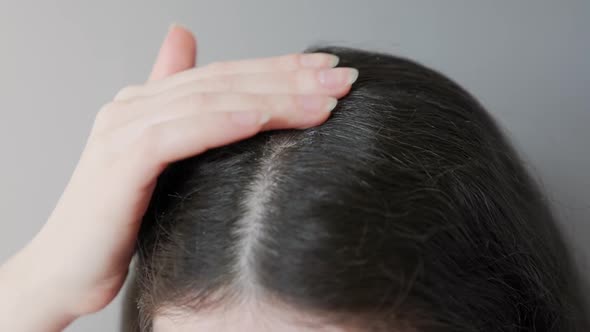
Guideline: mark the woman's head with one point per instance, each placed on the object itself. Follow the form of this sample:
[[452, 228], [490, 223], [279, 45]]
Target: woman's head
[[406, 211]]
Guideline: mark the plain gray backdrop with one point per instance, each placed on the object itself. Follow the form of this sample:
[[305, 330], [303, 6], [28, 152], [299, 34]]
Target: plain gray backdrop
[[527, 62]]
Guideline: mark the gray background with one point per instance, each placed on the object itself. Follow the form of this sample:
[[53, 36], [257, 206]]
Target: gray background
[[527, 61]]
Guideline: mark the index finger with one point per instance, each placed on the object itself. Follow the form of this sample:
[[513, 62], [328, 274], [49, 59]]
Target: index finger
[[287, 62]]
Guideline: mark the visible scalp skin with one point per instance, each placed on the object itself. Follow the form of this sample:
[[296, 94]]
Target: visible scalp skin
[[407, 207]]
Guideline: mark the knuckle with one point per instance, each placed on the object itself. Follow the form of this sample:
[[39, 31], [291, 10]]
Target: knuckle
[[297, 79], [127, 92], [199, 100], [285, 62], [263, 102], [294, 60], [107, 112]]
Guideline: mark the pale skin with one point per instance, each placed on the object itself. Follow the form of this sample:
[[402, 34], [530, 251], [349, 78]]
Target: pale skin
[[77, 263]]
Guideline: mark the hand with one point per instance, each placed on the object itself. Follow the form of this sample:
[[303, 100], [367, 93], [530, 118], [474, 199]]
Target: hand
[[86, 245], [26, 290]]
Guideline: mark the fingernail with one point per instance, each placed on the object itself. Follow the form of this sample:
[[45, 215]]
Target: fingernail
[[317, 103], [354, 75], [319, 60], [337, 77], [249, 118], [264, 118], [331, 105]]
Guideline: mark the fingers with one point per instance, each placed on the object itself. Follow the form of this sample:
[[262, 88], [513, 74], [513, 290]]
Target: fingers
[[183, 137], [177, 53], [306, 81], [287, 62], [283, 63], [165, 142], [287, 110], [199, 95], [176, 139], [334, 81]]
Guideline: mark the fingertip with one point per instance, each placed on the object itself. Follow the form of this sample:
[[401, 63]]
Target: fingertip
[[177, 53], [342, 92], [178, 33], [315, 122]]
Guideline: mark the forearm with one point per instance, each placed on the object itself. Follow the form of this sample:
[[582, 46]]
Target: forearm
[[30, 300]]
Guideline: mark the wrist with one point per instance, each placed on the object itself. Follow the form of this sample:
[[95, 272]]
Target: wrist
[[26, 291]]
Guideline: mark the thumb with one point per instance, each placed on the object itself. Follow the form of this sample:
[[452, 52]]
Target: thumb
[[177, 53]]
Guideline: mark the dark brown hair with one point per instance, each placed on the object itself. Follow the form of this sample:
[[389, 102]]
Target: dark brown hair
[[408, 206]]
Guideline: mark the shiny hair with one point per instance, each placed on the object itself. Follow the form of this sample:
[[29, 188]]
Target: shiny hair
[[408, 207]]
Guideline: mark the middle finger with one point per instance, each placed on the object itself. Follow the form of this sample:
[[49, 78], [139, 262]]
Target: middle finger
[[335, 82]]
